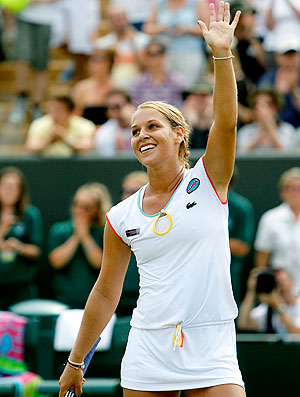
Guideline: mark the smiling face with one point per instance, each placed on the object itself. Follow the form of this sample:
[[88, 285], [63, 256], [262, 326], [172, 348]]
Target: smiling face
[[154, 141]]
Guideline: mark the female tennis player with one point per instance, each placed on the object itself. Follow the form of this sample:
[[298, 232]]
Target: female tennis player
[[183, 334]]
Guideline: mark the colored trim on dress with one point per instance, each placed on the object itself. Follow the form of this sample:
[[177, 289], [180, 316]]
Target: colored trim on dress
[[223, 202], [114, 229]]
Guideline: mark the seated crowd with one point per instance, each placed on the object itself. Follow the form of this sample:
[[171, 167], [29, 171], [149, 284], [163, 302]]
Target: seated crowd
[[159, 57]]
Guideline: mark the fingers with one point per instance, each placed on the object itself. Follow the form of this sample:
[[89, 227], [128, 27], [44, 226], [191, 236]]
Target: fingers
[[212, 14], [202, 26], [227, 13], [78, 390], [236, 19], [224, 13], [221, 11]]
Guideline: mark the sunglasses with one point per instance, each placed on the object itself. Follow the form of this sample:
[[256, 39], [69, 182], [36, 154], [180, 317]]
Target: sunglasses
[[84, 206], [114, 106], [155, 53]]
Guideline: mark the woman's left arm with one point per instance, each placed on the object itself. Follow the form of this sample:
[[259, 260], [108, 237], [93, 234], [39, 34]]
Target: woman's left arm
[[220, 152]]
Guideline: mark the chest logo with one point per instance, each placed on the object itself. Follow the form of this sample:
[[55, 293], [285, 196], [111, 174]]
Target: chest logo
[[193, 185], [132, 232], [191, 205]]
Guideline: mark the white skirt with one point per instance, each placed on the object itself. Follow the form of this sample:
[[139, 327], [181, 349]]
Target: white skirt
[[207, 358]]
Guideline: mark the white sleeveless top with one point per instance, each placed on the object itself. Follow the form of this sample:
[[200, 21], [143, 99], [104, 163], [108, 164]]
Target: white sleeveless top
[[184, 274]]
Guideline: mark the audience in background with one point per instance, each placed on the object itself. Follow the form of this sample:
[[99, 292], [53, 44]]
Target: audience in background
[[75, 245], [137, 11], [241, 233], [285, 78], [282, 20], [20, 239], [114, 136], [267, 131], [277, 241], [129, 46], [31, 51], [77, 22], [89, 95], [130, 185], [173, 21], [248, 47], [59, 132], [156, 83], [279, 307], [198, 110]]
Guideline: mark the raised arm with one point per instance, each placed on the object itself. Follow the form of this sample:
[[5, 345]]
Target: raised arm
[[220, 152], [100, 306]]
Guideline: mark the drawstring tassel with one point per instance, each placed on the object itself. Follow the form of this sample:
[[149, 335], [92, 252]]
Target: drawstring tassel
[[178, 337]]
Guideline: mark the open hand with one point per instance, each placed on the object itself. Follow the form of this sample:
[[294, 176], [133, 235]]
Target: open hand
[[219, 34]]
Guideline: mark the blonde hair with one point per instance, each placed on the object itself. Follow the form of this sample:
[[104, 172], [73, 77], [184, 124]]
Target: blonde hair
[[287, 176], [176, 119], [141, 177], [102, 198]]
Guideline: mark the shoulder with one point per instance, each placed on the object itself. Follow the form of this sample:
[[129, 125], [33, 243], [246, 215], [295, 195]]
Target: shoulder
[[41, 122], [33, 211], [82, 86], [107, 127], [125, 205], [274, 214], [82, 122]]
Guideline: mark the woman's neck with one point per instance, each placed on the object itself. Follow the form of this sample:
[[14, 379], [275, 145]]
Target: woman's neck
[[165, 181]]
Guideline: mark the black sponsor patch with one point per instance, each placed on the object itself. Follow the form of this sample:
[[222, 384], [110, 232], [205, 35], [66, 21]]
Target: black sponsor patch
[[132, 232]]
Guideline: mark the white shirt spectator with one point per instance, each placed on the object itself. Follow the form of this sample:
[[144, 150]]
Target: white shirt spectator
[[260, 313], [287, 23], [247, 134], [107, 135], [279, 234], [137, 10]]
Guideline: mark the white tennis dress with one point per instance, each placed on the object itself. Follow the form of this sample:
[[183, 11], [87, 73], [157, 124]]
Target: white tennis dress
[[183, 334]]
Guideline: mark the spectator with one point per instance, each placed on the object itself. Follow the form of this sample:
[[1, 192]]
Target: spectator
[[279, 308], [277, 241], [115, 135], [75, 245], [261, 9], [130, 185], [285, 78], [267, 131], [138, 11], [248, 47], [174, 22], [198, 110], [89, 94], [128, 44], [60, 133], [77, 22], [20, 239], [157, 82], [282, 20], [32, 52], [241, 233]]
